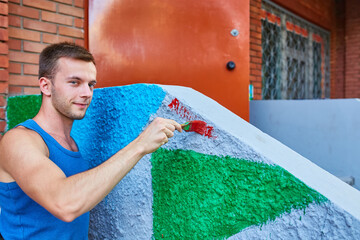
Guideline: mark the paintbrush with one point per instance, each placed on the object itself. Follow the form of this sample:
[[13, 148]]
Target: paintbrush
[[197, 126]]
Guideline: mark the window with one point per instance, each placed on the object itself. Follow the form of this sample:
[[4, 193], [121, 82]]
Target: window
[[295, 56]]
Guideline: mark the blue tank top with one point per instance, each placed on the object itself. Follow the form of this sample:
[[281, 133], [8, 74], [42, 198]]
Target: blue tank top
[[23, 218]]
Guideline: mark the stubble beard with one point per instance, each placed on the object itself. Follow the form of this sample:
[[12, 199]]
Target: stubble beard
[[65, 108]]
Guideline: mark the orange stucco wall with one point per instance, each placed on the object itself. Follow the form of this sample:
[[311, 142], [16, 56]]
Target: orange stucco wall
[[185, 43]]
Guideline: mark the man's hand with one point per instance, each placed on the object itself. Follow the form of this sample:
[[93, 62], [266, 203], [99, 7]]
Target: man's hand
[[157, 134]]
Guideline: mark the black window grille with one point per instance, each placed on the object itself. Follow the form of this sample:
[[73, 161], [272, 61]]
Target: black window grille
[[295, 56]]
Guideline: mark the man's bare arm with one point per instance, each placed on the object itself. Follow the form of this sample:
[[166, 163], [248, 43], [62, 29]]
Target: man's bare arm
[[24, 158]]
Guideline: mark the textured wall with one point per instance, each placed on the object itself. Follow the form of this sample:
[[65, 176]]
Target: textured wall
[[238, 183]]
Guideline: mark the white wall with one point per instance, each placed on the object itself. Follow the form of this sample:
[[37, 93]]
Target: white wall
[[326, 132]]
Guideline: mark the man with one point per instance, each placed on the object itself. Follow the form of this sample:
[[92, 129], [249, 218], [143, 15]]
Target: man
[[46, 190]]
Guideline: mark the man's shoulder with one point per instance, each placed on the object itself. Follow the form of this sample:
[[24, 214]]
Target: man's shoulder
[[20, 135], [19, 131]]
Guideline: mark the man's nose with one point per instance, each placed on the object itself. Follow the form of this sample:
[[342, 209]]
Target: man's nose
[[86, 91]]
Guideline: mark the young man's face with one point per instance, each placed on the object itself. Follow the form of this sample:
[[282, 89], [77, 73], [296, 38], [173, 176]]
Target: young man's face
[[72, 87]]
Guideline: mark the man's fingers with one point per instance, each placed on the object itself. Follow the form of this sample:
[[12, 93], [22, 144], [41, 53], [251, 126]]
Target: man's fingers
[[167, 126], [175, 125], [170, 127], [169, 133], [158, 133]]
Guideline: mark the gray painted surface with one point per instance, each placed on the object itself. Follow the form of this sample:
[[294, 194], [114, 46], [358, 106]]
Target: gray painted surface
[[324, 131], [325, 222]]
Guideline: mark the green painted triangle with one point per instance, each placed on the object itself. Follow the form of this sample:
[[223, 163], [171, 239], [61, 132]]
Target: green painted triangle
[[199, 196]]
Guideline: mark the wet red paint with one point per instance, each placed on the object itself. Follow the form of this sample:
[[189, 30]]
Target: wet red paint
[[209, 130], [180, 109], [174, 104], [197, 126]]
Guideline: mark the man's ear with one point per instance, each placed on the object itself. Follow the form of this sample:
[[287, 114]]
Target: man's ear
[[45, 86]]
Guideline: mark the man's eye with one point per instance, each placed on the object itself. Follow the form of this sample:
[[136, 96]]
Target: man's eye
[[74, 82]]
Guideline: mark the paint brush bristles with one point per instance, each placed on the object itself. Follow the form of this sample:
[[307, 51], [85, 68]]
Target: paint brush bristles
[[197, 126]]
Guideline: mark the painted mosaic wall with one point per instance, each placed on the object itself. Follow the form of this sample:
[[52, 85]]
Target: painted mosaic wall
[[234, 182]]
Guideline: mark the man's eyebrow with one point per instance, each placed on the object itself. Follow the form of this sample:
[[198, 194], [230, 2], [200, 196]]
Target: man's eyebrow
[[74, 77], [80, 79]]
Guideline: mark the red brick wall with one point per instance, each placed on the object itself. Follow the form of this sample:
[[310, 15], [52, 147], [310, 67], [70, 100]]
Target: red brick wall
[[4, 62], [255, 48], [319, 12], [352, 49], [337, 63], [33, 24], [26, 27]]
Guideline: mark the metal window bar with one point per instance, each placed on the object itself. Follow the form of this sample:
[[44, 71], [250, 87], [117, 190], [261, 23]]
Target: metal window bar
[[295, 56]]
